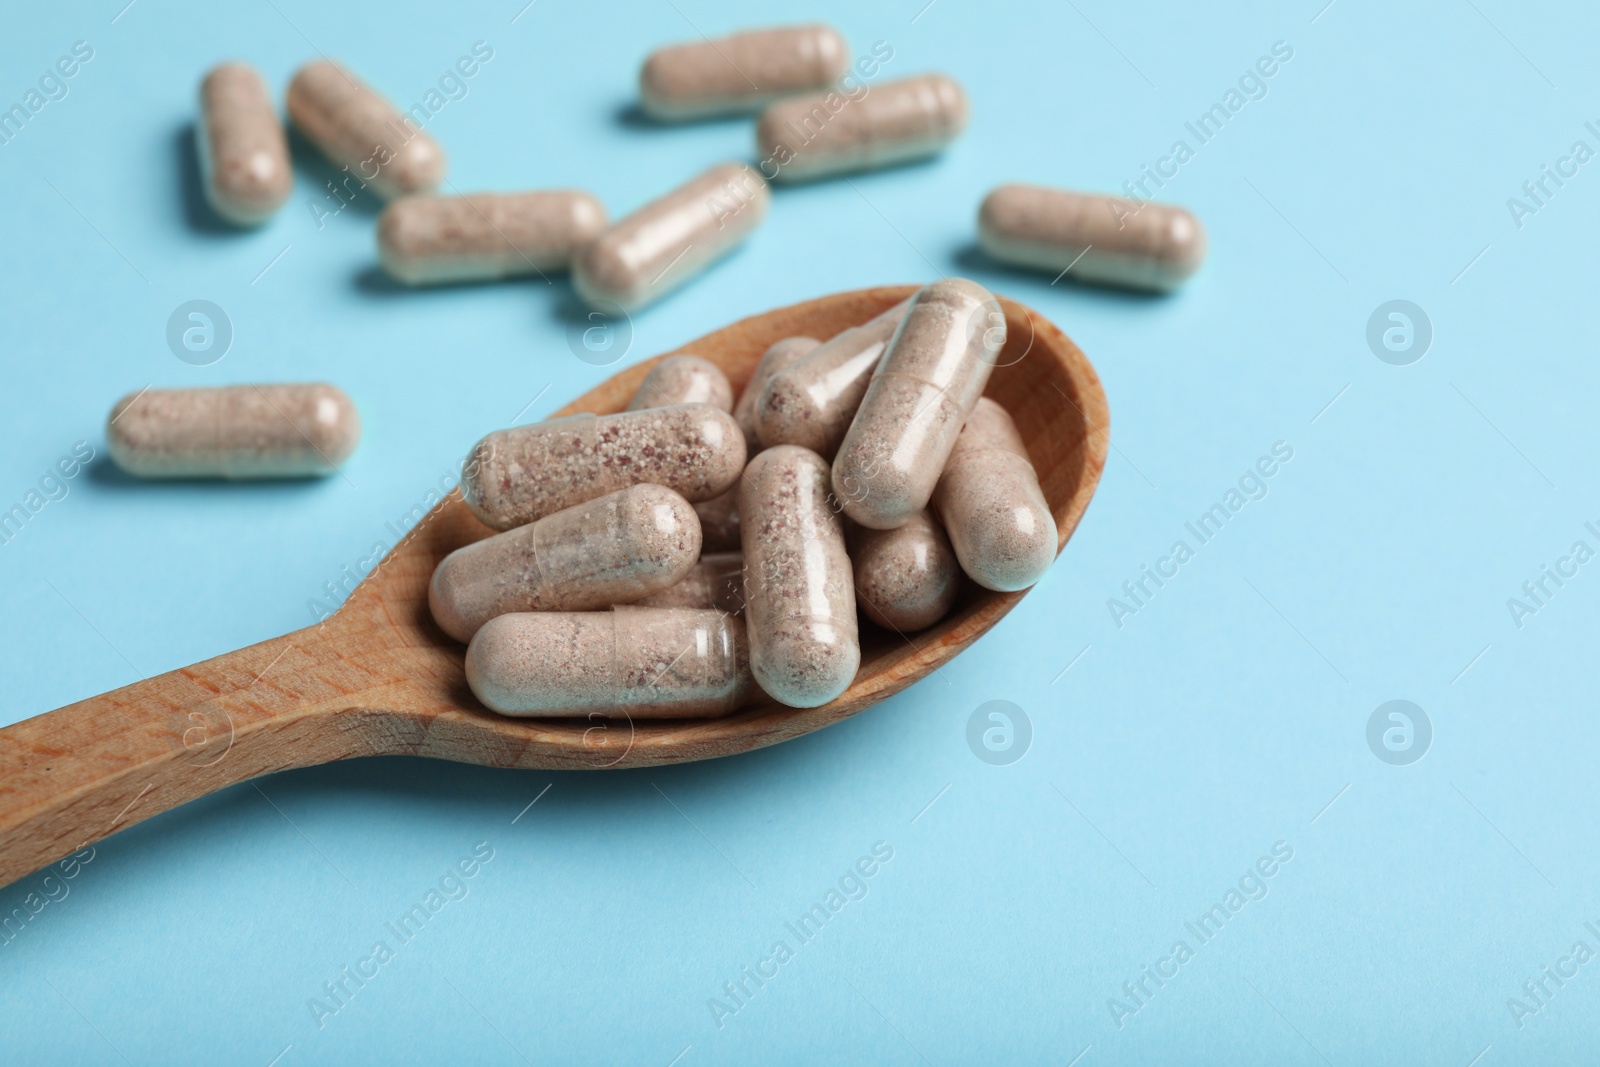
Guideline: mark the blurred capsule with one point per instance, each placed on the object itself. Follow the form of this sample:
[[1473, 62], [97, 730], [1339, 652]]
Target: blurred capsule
[[831, 133], [1104, 239], [359, 130], [671, 239], [244, 154], [683, 379], [740, 72], [233, 431], [430, 240]]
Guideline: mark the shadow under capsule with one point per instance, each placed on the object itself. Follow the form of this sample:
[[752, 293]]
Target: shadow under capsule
[[973, 261], [198, 214], [334, 189], [630, 115]]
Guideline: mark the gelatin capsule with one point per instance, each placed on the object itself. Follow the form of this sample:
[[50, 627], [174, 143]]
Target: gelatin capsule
[[428, 240], [611, 550], [740, 72], [522, 474], [233, 431], [244, 154], [989, 500], [358, 129], [719, 516], [1103, 239], [920, 395], [692, 380], [906, 578], [671, 239], [800, 602], [683, 380], [810, 403], [823, 134], [779, 356], [662, 663], [716, 582]]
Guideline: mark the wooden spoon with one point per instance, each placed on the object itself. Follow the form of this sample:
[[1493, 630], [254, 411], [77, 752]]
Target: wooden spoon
[[378, 678]]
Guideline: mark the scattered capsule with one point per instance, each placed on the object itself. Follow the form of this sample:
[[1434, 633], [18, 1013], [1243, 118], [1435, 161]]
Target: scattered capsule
[[777, 357], [683, 380], [906, 578], [610, 550], [800, 602], [516, 476], [244, 154], [361, 131], [810, 403], [638, 662], [671, 239], [717, 581], [428, 240], [1103, 239], [989, 500], [741, 72], [235, 431], [921, 392], [831, 133]]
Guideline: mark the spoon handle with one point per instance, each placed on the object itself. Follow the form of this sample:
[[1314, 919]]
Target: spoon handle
[[72, 776]]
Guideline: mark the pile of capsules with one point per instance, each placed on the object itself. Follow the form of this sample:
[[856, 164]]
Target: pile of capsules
[[668, 560], [810, 126], [665, 561]]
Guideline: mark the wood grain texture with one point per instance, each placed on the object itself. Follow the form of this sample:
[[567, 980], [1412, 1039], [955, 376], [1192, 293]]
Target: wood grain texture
[[378, 678]]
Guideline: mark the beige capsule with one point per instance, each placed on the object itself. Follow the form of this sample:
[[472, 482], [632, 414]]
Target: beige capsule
[[778, 356], [519, 475], [429, 240], [671, 239], [358, 129], [719, 516], [1103, 239], [244, 154], [921, 393], [740, 72], [642, 663], [834, 133], [611, 550], [906, 578], [800, 602], [810, 403], [989, 500], [234, 431], [683, 379], [717, 582]]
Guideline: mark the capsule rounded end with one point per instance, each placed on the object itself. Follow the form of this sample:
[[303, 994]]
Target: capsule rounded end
[[662, 530], [418, 166], [1186, 243], [491, 656], [719, 432], [445, 598], [805, 663]]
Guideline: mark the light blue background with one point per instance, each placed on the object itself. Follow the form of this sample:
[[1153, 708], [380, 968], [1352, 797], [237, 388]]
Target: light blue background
[[1223, 717]]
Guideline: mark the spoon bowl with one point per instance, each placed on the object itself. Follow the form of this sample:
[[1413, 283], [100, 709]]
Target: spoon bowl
[[379, 678]]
